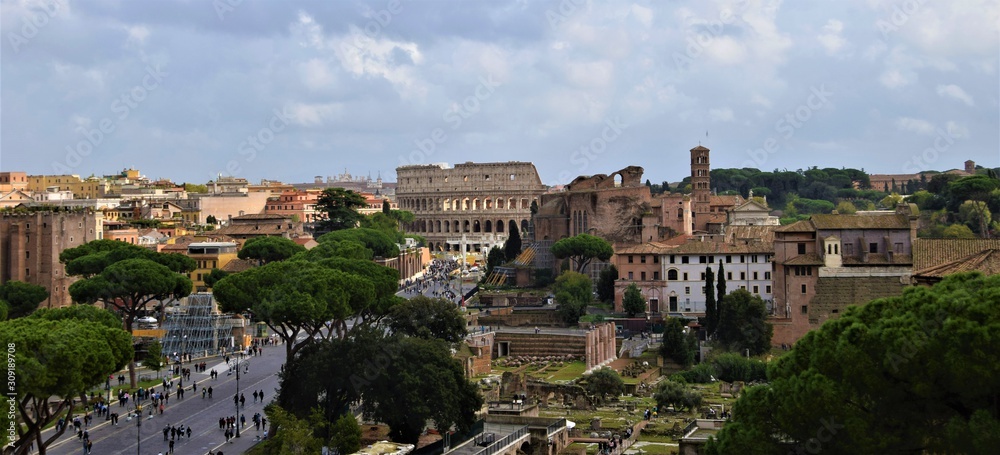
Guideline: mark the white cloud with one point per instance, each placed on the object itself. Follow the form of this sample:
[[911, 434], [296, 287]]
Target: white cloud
[[722, 114], [760, 100], [915, 125], [830, 38], [137, 34], [642, 14], [956, 130], [895, 78], [314, 114], [955, 92]]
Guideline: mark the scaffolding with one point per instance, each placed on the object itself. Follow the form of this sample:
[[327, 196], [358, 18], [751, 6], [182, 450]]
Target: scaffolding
[[193, 325]]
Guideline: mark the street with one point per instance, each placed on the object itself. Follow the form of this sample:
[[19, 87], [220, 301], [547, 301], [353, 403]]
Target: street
[[201, 414]]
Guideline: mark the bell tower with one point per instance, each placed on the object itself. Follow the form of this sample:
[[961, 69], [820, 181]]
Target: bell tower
[[700, 186]]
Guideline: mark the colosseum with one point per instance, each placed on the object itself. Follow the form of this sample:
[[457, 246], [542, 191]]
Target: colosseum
[[470, 203]]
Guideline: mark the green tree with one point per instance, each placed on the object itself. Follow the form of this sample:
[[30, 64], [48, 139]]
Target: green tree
[[154, 357], [512, 247], [211, 219], [915, 373], [633, 302], [214, 276], [380, 243], [22, 298], [420, 381], [269, 249], [606, 284], [58, 357], [846, 208], [348, 249], [720, 299], [127, 288], [977, 216], [581, 249], [677, 345], [346, 435], [743, 323], [958, 231], [604, 382], [4, 310], [494, 259], [93, 257], [297, 297], [890, 201], [534, 207], [386, 209], [292, 435], [711, 307], [670, 393], [573, 293], [424, 317], [195, 188], [339, 208]]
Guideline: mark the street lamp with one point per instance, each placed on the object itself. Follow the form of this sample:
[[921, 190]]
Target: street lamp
[[236, 364], [107, 404], [138, 427]]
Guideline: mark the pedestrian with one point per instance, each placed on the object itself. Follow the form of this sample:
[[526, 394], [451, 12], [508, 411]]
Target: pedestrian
[[222, 423], [188, 432], [243, 420], [171, 446], [243, 400], [166, 431], [90, 445], [210, 392], [254, 396]]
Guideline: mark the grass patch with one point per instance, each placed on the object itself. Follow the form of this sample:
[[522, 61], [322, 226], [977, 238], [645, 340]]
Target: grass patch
[[568, 372]]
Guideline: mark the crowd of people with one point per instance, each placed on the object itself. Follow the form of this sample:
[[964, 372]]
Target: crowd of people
[[436, 281]]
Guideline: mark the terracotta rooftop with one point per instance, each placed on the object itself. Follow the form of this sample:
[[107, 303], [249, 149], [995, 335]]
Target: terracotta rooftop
[[826, 221], [806, 259], [239, 265], [723, 248], [261, 229], [645, 248], [763, 233], [880, 259], [730, 200], [798, 226], [929, 253], [260, 216], [986, 261]]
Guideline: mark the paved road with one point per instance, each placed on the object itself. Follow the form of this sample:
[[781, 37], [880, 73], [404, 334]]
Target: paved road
[[202, 415]]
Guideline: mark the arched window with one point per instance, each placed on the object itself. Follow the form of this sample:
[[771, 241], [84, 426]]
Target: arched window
[[672, 275]]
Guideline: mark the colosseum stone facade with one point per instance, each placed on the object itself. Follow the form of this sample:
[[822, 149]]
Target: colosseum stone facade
[[472, 203]]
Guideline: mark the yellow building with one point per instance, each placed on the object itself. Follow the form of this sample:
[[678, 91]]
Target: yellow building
[[209, 255], [91, 188]]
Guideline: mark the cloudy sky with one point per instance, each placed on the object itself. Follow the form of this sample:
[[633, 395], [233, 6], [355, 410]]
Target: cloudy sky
[[287, 90]]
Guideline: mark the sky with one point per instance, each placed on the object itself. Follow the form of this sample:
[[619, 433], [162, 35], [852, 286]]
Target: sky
[[288, 90]]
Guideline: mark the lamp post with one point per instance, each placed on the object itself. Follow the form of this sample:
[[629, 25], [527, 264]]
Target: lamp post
[[138, 427], [237, 364], [107, 386]]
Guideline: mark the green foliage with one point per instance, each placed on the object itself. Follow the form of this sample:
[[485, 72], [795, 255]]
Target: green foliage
[[211, 219], [424, 317], [269, 249], [604, 382], [846, 208], [339, 208], [59, 357], [677, 395], [677, 345], [633, 302], [534, 207], [154, 356], [346, 435], [890, 201], [82, 313], [348, 249], [195, 188], [512, 247], [743, 323], [702, 373], [214, 276], [93, 257], [21, 298], [581, 249], [976, 215], [606, 284], [494, 259], [127, 286], [385, 223], [294, 435], [380, 243], [732, 367], [384, 279], [811, 206], [711, 307], [573, 292], [4, 310], [386, 209], [910, 374], [543, 278]]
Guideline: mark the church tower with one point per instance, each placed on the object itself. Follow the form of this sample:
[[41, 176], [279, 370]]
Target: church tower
[[700, 186]]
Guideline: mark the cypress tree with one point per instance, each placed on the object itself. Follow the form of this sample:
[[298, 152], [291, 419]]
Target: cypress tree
[[711, 311], [512, 247]]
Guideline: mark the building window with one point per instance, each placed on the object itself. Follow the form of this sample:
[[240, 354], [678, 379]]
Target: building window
[[671, 275], [630, 276], [642, 276], [742, 259], [848, 249], [802, 248], [767, 275], [685, 276], [756, 289], [702, 260], [684, 259], [703, 290], [27, 255], [656, 276], [630, 259], [803, 289], [898, 248], [755, 275], [702, 276], [729, 259], [711, 259], [656, 259], [687, 290], [743, 276], [642, 259], [729, 276], [873, 247], [27, 272], [805, 309], [767, 289], [671, 259]]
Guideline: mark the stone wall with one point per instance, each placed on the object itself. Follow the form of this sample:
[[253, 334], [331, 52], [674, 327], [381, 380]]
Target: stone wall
[[30, 244], [510, 299], [539, 318]]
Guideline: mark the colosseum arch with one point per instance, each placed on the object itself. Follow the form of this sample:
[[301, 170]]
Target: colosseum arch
[[499, 226], [437, 224], [475, 226], [488, 226], [511, 204], [500, 203], [465, 226], [524, 225], [488, 204], [475, 203]]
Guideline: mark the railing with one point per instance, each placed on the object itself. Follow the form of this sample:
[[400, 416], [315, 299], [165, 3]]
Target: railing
[[555, 427], [503, 443], [689, 428]]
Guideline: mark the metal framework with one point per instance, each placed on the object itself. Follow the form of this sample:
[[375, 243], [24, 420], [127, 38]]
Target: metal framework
[[194, 326]]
